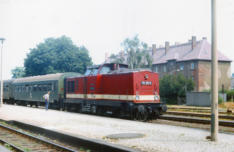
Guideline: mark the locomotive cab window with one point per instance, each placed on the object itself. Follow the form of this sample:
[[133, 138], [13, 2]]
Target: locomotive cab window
[[88, 71], [105, 70], [91, 71]]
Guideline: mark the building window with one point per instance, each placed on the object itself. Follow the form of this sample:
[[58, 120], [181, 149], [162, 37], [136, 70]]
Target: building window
[[164, 68], [156, 69], [181, 67], [192, 66], [192, 78]]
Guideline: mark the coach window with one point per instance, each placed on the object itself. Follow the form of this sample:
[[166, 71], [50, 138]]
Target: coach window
[[5, 88], [26, 86], [49, 87], [35, 88], [30, 88], [39, 88]]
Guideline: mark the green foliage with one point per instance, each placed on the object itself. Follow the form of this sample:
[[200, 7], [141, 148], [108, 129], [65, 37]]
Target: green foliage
[[56, 55], [230, 95], [220, 100], [137, 53], [173, 87], [117, 58], [18, 72]]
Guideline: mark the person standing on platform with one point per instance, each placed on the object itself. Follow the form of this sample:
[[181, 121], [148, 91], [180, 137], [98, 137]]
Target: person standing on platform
[[47, 100]]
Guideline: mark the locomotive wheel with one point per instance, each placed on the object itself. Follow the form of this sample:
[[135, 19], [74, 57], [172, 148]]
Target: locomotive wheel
[[141, 114]]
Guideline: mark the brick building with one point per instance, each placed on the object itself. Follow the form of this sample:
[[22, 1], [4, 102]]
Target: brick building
[[193, 60]]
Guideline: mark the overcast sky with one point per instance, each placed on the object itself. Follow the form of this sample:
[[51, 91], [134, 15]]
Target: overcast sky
[[101, 25]]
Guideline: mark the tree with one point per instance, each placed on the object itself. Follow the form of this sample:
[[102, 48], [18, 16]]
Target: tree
[[137, 53], [18, 72], [56, 55], [173, 87], [117, 58]]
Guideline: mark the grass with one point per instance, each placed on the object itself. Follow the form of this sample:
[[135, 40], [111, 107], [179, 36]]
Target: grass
[[227, 105]]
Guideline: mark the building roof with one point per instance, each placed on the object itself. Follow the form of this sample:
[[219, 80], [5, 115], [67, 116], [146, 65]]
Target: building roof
[[184, 52]]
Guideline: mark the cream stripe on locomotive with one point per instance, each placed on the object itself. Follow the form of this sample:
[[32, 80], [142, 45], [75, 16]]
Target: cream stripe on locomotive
[[113, 97]]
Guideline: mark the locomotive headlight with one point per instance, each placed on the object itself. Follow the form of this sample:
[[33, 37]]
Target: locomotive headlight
[[137, 97], [156, 97]]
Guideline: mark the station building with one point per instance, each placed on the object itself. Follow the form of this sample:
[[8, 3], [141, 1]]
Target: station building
[[193, 60]]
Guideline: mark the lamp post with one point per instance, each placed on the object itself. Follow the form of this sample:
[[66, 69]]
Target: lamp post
[[2, 40]]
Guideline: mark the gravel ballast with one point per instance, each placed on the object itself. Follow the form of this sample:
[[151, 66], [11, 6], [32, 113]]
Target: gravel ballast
[[157, 137]]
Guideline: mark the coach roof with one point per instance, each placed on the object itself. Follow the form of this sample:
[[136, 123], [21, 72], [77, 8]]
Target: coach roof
[[48, 77]]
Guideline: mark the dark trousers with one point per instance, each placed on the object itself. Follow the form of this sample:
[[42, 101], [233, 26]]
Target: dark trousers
[[46, 104]]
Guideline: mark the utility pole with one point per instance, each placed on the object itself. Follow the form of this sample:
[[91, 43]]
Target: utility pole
[[214, 75], [2, 40]]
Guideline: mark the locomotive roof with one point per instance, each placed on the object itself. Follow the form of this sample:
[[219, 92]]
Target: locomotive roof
[[120, 71], [98, 65], [47, 77]]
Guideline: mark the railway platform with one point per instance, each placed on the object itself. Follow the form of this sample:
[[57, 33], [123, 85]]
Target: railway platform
[[153, 137]]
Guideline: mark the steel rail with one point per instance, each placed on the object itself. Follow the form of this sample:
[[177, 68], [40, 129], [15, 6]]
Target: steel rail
[[231, 117], [196, 120], [73, 141], [35, 140], [13, 147]]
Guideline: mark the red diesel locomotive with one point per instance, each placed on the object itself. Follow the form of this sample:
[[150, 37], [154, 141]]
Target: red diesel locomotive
[[114, 89]]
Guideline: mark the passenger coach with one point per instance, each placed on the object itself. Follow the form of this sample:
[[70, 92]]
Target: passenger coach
[[30, 90]]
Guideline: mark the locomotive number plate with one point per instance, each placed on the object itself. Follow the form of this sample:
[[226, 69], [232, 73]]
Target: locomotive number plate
[[146, 83]]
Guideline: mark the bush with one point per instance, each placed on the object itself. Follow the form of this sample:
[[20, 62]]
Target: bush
[[220, 100], [173, 87], [230, 95]]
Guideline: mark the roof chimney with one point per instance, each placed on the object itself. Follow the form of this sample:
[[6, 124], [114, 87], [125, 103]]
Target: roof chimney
[[153, 49], [167, 46], [194, 41]]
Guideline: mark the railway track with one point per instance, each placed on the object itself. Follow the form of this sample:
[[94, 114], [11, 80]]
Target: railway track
[[221, 116], [23, 142], [195, 120], [192, 109]]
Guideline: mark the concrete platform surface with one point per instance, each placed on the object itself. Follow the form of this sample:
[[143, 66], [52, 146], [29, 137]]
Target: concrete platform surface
[[158, 137]]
